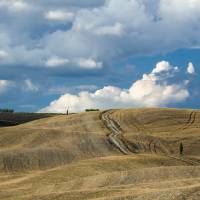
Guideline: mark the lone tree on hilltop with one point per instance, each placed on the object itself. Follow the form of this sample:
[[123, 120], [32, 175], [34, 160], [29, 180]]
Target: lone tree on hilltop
[[67, 113]]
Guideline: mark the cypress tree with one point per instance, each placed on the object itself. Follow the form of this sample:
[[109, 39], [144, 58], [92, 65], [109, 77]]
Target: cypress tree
[[181, 148]]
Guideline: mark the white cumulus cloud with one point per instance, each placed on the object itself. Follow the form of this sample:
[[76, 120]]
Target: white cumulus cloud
[[116, 29], [56, 62], [149, 91], [190, 68], [59, 15], [14, 5], [162, 66], [4, 84], [89, 63], [109, 31]]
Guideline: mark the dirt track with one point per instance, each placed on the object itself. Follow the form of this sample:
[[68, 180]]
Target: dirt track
[[154, 145], [115, 133]]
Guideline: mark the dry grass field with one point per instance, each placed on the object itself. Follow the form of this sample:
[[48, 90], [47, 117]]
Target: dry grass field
[[114, 155]]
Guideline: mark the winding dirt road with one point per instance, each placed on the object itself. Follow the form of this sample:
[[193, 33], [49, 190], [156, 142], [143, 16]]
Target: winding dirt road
[[116, 134]]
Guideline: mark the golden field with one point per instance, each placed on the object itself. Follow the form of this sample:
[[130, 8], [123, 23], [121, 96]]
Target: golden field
[[114, 155]]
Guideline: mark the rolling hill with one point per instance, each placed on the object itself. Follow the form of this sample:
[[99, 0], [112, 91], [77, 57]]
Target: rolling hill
[[115, 154]]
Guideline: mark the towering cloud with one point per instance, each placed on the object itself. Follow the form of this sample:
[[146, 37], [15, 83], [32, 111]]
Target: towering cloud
[[152, 90]]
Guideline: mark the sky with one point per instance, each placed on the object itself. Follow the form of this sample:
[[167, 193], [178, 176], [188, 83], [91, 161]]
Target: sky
[[72, 54]]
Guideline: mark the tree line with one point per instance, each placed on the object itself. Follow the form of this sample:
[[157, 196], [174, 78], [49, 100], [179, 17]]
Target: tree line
[[6, 110]]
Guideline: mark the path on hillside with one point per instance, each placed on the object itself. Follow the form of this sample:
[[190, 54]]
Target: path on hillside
[[115, 133], [115, 138]]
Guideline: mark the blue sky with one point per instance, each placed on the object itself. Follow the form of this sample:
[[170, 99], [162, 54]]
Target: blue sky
[[99, 53]]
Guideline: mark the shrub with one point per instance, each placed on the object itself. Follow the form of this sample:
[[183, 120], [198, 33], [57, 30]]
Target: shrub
[[91, 110]]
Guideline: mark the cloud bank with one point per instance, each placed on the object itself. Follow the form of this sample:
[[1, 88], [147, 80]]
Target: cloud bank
[[103, 31], [152, 90]]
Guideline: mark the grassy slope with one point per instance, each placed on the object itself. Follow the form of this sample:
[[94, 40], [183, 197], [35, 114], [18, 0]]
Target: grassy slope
[[170, 125], [69, 157]]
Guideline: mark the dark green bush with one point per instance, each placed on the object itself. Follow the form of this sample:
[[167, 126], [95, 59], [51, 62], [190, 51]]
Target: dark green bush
[[91, 110]]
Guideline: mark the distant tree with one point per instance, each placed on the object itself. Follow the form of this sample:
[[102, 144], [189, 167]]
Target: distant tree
[[67, 113], [6, 110], [181, 148], [91, 110]]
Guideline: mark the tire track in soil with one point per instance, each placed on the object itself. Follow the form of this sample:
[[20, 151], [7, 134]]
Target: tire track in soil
[[191, 120]]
